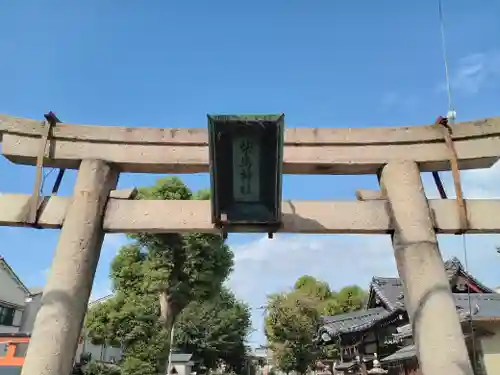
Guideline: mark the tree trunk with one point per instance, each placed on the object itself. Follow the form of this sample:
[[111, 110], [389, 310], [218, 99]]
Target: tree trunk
[[169, 311]]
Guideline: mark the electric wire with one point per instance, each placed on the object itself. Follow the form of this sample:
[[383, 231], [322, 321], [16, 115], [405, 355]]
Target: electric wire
[[451, 119]]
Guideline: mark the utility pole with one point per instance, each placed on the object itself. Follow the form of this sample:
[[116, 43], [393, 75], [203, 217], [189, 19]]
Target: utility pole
[[170, 348]]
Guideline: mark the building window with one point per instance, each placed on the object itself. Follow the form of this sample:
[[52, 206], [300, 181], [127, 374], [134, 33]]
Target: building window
[[6, 315]]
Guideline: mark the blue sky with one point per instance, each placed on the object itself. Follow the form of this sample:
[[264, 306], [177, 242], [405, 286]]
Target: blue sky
[[327, 64]]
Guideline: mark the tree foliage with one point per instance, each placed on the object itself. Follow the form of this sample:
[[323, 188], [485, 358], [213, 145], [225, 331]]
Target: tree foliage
[[215, 330], [293, 319], [96, 368], [155, 277]]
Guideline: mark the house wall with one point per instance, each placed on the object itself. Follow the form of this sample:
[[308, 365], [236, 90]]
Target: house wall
[[10, 291], [11, 295], [182, 369], [8, 329], [490, 346], [30, 311], [99, 352], [103, 353]]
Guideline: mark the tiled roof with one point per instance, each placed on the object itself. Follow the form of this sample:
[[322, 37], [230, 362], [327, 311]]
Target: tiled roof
[[482, 306], [354, 321], [402, 354], [453, 266], [180, 357], [403, 332], [354, 317], [346, 366], [36, 290], [390, 289]]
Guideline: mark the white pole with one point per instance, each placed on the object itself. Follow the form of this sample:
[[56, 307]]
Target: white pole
[[170, 348]]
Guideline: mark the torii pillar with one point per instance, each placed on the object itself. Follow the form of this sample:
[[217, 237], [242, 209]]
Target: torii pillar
[[429, 301], [65, 298]]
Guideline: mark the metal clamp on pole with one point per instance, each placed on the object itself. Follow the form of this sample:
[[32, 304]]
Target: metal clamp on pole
[[35, 204]]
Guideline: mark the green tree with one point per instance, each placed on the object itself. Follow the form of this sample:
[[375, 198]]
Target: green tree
[[350, 298], [294, 317], [329, 302], [290, 326], [96, 368], [215, 330], [155, 277], [313, 287]]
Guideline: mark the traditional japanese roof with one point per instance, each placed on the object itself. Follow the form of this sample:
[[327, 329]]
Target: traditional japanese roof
[[353, 321], [35, 290], [180, 357], [403, 332], [346, 366], [410, 351], [454, 268], [13, 275], [389, 290], [482, 307], [356, 321], [402, 354]]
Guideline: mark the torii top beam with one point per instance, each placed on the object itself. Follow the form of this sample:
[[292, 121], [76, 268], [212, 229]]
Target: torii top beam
[[307, 150]]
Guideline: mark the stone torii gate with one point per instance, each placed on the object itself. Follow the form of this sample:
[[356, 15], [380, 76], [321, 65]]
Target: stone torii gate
[[396, 155]]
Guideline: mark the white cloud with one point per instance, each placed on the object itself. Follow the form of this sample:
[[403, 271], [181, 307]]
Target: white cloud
[[286, 257], [476, 183], [474, 72], [483, 183], [265, 266]]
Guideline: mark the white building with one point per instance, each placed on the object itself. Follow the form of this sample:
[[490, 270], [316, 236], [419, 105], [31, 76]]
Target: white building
[[13, 294], [19, 307], [104, 353]]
